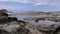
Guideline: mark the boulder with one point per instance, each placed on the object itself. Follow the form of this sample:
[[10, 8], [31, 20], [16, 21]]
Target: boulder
[[12, 18], [10, 27], [14, 27], [57, 31], [7, 19], [3, 13], [23, 31], [4, 32], [48, 29]]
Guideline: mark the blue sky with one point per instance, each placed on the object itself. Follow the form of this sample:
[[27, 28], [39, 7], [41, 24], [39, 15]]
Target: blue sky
[[30, 5]]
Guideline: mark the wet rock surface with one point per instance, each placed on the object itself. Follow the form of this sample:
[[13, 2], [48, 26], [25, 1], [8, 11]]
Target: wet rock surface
[[46, 26], [11, 25]]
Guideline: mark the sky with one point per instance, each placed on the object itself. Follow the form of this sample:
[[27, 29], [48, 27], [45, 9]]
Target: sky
[[30, 5]]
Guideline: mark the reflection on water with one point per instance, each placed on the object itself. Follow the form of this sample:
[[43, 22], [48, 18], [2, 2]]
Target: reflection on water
[[21, 17], [41, 22]]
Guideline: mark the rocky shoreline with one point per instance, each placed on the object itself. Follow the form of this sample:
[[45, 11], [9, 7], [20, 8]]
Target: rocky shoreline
[[11, 25]]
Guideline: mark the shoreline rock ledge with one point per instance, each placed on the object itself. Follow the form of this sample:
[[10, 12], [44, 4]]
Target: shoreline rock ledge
[[11, 25]]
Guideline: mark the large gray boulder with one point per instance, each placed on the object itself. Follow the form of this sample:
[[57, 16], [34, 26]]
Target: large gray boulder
[[15, 27], [48, 26]]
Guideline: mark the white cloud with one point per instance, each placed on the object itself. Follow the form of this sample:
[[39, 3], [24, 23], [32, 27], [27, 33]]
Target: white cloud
[[47, 2], [37, 2]]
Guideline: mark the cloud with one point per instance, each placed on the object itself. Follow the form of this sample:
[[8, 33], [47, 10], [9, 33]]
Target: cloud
[[47, 3], [38, 2]]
